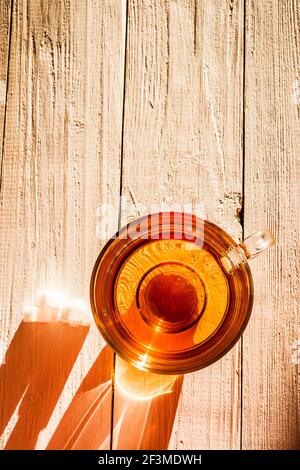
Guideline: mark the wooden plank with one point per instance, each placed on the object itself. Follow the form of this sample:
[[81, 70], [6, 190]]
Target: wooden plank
[[5, 12], [182, 145], [270, 357], [61, 159]]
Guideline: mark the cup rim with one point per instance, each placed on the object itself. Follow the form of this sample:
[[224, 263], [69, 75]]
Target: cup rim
[[179, 366]]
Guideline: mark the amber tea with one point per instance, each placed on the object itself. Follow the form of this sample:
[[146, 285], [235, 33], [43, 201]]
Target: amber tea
[[178, 290]]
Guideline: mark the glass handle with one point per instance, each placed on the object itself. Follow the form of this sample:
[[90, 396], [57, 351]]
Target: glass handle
[[257, 243], [251, 247]]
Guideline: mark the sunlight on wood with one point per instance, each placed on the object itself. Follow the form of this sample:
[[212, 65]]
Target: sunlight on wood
[[141, 385]]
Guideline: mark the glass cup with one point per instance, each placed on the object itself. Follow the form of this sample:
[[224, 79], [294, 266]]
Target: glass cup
[[172, 293]]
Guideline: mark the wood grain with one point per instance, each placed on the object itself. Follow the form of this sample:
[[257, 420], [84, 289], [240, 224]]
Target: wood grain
[[270, 376], [61, 159], [5, 16], [182, 148], [190, 118]]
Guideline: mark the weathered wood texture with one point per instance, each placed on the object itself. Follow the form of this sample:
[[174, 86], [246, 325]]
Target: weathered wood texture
[[61, 159], [188, 110], [5, 16], [183, 148], [272, 138]]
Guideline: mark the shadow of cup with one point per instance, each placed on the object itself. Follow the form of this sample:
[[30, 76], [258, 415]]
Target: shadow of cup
[[145, 407], [143, 412]]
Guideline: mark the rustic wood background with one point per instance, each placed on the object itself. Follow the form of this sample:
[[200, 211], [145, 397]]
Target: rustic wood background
[[180, 102]]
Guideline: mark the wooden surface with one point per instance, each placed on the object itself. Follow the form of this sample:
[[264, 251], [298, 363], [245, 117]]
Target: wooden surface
[[5, 17], [187, 104], [61, 156], [270, 377]]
